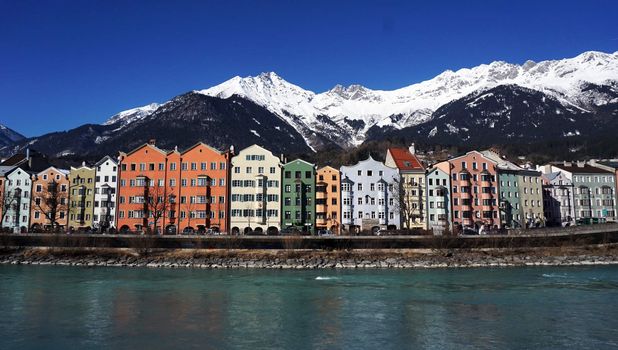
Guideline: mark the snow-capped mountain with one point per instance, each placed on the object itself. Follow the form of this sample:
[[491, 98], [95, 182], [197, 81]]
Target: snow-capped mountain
[[357, 109], [8, 137], [492, 103], [131, 115]]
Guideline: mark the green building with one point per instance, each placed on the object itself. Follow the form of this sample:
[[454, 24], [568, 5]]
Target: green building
[[510, 206], [298, 196]]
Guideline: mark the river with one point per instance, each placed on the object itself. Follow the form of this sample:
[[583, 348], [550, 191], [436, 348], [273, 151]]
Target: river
[[53, 307]]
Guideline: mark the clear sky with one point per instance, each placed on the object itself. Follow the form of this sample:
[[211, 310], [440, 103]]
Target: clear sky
[[66, 63]]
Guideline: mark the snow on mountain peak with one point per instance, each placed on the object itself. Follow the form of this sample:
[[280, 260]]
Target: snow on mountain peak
[[133, 114]]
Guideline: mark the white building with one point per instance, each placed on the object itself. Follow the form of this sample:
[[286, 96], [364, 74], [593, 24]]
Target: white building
[[105, 194], [255, 193], [370, 195], [16, 200]]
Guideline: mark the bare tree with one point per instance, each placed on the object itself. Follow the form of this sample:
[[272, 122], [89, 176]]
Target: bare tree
[[8, 198], [189, 206], [407, 201], [52, 202], [157, 204]]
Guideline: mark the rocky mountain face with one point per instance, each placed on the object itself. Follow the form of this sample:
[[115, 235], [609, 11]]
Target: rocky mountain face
[[9, 138], [571, 99], [181, 122]]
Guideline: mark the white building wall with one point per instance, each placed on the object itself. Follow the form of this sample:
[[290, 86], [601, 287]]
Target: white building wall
[[255, 192], [17, 214], [372, 199], [105, 192]]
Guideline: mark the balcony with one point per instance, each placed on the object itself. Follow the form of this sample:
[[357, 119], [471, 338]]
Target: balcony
[[464, 182]]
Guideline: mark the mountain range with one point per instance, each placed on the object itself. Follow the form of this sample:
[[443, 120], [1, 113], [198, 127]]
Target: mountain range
[[574, 99]]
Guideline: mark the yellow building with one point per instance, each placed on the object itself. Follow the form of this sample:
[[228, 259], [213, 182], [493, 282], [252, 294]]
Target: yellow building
[[81, 197], [412, 194]]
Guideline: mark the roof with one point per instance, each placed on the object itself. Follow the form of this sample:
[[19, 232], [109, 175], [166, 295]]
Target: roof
[[585, 169], [200, 143], [609, 163], [404, 160], [502, 163], [4, 169], [551, 176], [104, 159]]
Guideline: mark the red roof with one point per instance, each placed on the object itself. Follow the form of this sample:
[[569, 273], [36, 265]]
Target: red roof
[[405, 160]]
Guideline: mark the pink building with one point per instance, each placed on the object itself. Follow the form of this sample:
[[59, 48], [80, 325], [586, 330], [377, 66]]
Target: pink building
[[474, 191]]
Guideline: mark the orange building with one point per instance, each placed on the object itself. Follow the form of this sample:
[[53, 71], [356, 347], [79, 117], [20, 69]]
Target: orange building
[[50, 200], [144, 197], [328, 200], [173, 191], [203, 190]]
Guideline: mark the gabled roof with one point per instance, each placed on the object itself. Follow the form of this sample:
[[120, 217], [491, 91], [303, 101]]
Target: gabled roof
[[298, 159], [471, 152], [328, 167], [104, 159], [502, 163], [205, 145], [404, 160], [61, 171], [145, 145]]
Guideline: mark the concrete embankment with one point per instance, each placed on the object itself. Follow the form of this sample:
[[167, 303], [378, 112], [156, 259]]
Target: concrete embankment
[[313, 259]]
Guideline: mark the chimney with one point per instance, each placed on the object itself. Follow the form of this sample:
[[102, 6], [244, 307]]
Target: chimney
[[84, 163], [580, 164], [282, 157], [152, 141], [28, 153], [412, 148]]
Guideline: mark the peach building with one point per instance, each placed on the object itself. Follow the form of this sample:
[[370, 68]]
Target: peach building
[[474, 190], [50, 200], [142, 189], [173, 191], [202, 195], [328, 200]]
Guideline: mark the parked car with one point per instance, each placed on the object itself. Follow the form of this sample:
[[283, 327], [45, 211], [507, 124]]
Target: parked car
[[188, 231], [468, 231], [325, 233]]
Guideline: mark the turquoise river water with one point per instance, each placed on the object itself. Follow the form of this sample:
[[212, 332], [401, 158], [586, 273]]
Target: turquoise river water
[[53, 307]]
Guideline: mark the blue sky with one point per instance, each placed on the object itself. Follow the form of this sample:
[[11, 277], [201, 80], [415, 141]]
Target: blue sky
[[66, 63]]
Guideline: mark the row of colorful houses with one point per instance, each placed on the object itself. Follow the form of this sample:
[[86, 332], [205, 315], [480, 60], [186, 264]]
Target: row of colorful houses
[[255, 191]]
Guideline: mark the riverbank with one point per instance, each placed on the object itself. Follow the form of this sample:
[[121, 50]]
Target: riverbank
[[313, 259]]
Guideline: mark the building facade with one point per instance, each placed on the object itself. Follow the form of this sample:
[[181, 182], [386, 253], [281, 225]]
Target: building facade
[[370, 197], [50, 200], [298, 196], [255, 191], [17, 200], [105, 194], [530, 186], [413, 197], [328, 200], [558, 200], [144, 198], [203, 189], [438, 205], [593, 191], [81, 197], [474, 191]]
